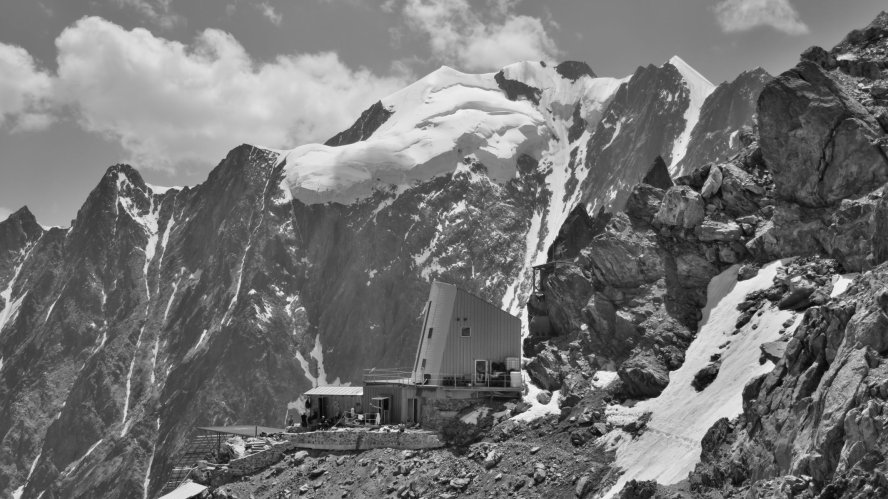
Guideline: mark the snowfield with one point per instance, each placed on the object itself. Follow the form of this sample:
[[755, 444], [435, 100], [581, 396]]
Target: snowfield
[[441, 119], [669, 447]]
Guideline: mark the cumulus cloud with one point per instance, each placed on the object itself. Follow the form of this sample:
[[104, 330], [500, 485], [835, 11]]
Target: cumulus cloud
[[478, 39], [169, 103], [270, 13], [744, 15], [25, 90]]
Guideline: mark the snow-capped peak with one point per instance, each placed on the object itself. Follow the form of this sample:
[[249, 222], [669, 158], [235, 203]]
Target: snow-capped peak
[[439, 120], [691, 75], [699, 88]]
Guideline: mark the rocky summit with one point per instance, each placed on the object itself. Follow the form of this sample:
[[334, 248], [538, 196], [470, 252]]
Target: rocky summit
[[701, 270]]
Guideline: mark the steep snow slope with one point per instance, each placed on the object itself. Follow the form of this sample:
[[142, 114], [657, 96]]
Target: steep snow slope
[[699, 88], [670, 445]]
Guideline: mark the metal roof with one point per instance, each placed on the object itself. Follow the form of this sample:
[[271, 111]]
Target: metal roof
[[185, 491], [341, 391]]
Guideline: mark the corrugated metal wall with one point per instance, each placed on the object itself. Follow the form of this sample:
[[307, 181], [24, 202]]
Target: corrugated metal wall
[[442, 297], [397, 394], [495, 335]]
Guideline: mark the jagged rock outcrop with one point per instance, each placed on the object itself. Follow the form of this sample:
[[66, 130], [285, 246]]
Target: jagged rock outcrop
[[839, 149], [813, 425], [727, 110]]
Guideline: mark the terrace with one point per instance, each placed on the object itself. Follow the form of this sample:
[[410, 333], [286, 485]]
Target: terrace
[[492, 381]]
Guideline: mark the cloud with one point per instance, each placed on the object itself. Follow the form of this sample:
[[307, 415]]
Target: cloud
[[159, 12], [476, 39], [25, 90], [744, 15], [268, 11], [168, 103], [4, 213]]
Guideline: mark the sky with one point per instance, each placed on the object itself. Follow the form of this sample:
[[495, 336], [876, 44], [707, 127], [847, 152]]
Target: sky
[[170, 86]]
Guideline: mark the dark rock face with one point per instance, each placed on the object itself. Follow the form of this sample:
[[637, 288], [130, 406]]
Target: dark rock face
[[838, 155], [574, 70], [658, 175], [705, 376], [515, 89], [727, 110], [371, 119], [638, 126]]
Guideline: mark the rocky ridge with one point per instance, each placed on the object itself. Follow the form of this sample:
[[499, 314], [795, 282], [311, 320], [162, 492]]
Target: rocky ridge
[[163, 309]]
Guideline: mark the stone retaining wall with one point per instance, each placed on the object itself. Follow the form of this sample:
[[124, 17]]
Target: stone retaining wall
[[247, 465], [365, 440]]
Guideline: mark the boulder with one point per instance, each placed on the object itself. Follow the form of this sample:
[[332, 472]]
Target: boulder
[[545, 369], [705, 376], [544, 397], [583, 487], [772, 350], [849, 237], [711, 230], [638, 489], [539, 473], [713, 182], [682, 206], [644, 203], [643, 376], [796, 298], [493, 458], [832, 153], [459, 483], [740, 192]]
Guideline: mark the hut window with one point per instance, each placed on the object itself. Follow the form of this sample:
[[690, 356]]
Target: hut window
[[430, 331], [466, 332]]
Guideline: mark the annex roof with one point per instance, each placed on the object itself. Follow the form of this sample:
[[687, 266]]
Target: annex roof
[[185, 491], [337, 391], [247, 430]]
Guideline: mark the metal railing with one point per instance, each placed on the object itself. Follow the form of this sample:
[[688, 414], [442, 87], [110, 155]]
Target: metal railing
[[405, 376]]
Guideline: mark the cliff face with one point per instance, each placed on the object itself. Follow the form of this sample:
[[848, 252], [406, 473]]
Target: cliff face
[[655, 287]]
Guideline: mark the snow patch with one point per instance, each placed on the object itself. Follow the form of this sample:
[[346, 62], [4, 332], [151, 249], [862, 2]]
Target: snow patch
[[841, 283], [317, 353], [537, 410], [10, 308], [147, 480], [603, 379], [670, 447], [699, 88], [73, 466]]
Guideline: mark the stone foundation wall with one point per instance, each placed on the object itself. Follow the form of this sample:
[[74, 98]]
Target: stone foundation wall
[[365, 440], [435, 412], [246, 465]]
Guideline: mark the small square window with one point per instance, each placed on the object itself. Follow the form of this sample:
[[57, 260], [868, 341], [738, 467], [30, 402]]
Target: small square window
[[466, 332], [430, 331]]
